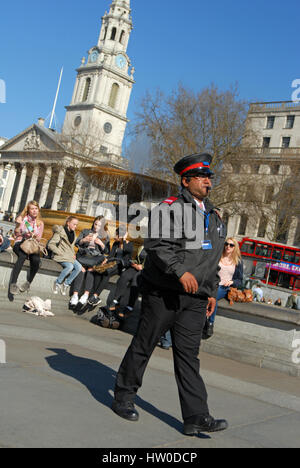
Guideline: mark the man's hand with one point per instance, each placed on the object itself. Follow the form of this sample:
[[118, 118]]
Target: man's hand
[[189, 283], [210, 306]]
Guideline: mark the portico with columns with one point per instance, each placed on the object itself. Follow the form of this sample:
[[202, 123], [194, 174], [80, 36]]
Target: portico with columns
[[43, 165]]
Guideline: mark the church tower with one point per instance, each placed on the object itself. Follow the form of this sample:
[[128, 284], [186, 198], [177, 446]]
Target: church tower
[[103, 86]]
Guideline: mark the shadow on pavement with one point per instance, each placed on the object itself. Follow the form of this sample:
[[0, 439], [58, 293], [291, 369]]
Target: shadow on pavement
[[99, 379]]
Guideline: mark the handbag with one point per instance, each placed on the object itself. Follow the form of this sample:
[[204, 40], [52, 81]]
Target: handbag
[[32, 246], [90, 260], [105, 268]]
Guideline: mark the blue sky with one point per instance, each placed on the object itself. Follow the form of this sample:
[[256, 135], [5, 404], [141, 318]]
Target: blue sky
[[252, 42]]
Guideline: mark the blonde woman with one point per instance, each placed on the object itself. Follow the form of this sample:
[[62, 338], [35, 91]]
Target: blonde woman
[[231, 275], [29, 223]]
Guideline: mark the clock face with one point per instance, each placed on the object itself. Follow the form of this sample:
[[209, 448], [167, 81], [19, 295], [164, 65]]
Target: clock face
[[94, 56], [120, 61]]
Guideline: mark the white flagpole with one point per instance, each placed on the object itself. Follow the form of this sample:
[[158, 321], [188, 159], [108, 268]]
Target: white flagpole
[[55, 100]]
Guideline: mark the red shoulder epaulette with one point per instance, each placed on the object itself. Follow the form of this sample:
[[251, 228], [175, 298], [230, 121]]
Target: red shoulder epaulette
[[170, 200]]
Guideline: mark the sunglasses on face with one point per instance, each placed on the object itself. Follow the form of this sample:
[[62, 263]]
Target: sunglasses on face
[[227, 244]]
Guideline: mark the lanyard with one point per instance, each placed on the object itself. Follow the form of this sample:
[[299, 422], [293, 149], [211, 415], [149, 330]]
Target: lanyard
[[206, 219]]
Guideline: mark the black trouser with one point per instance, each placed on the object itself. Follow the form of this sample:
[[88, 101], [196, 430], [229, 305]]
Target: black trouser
[[34, 260], [128, 276], [87, 278], [102, 280], [185, 316]]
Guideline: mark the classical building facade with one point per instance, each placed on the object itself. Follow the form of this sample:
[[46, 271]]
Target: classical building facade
[[273, 168], [47, 166]]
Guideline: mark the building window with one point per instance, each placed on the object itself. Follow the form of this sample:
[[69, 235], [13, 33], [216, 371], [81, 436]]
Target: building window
[[290, 121], [86, 89], [270, 121], [262, 228], [243, 225], [105, 33], [269, 196], [113, 95], [266, 142], [275, 168], [122, 36], [285, 142], [113, 34]]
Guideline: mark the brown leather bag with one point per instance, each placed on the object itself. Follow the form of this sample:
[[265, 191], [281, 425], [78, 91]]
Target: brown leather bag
[[32, 246], [104, 268]]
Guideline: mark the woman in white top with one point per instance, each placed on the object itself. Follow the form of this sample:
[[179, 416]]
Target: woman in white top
[[230, 273]]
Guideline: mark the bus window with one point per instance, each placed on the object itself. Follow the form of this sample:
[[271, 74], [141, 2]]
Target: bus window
[[284, 281], [248, 247], [297, 259], [277, 253], [272, 277], [297, 284], [263, 250], [289, 256]]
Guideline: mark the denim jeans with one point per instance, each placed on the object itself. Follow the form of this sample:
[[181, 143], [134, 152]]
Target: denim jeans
[[72, 269], [5, 244], [222, 292], [166, 339]]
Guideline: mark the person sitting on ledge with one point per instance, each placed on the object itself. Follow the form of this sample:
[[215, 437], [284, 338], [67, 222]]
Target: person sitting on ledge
[[29, 223], [62, 245], [4, 243], [121, 252]]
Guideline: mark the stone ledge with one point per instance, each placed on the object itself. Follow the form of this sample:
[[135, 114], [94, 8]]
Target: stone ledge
[[252, 333]]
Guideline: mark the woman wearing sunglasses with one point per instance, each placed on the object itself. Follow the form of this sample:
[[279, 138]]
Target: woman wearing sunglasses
[[231, 275]]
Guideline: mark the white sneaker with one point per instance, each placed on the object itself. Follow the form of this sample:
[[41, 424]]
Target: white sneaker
[[74, 300], [83, 300], [56, 287]]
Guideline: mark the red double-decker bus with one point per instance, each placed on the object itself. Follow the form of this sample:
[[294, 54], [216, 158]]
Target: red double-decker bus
[[272, 263]]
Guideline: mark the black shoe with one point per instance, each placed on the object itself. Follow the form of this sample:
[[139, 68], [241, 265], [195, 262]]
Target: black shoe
[[125, 410], [208, 330], [197, 424], [94, 301]]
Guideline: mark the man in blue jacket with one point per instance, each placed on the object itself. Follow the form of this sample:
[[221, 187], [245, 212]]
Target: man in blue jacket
[[179, 287]]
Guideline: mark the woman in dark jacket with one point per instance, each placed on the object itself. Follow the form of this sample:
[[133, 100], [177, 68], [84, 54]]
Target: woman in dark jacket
[[121, 252], [231, 275], [92, 245]]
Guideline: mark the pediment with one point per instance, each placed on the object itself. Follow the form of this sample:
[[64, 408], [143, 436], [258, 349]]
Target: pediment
[[33, 139]]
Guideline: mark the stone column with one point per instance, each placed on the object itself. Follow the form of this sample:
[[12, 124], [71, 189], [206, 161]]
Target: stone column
[[93, 197], [57, 194], [32, 186], [20, 190], [45, 187], [75, 199], [9, 188]]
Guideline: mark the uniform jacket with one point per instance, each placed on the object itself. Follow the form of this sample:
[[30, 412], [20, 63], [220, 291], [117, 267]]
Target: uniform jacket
[[170, 256], [60, 245]]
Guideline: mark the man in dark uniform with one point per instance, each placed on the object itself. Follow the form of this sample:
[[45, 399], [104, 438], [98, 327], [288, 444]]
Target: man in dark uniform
[[179, 289]]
